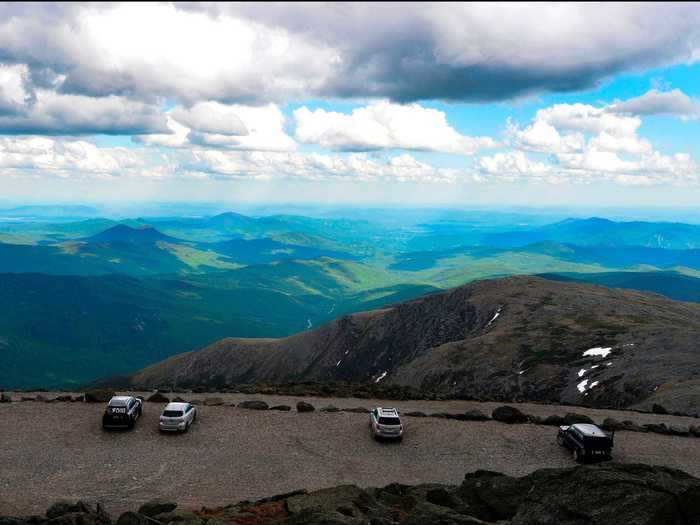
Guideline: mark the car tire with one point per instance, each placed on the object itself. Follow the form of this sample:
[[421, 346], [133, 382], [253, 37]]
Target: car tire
[[131, 423], [560, 440], [578, 455]]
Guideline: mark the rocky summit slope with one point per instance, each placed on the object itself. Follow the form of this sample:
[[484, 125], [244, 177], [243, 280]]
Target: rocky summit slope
[[511, 339], [612, 493]]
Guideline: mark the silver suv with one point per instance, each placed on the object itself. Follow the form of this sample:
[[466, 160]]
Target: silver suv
[[385, 423], [177, 417]]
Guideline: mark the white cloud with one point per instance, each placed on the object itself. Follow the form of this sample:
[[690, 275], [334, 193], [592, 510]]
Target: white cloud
[[655, 102], [211, 117], [66, 158], [405, 52], [25, 109], [315, 167], [384, 125], [234, 126], [584, 143]]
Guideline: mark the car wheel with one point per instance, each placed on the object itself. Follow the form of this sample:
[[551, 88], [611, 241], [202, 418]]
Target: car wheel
[[578, 455], [560, 440], [131, 423]]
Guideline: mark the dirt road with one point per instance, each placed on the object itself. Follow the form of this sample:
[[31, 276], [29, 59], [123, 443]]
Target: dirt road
[[59, 451]]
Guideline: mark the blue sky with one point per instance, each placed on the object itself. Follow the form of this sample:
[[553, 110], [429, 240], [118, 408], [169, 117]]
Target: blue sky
[[351, 103]]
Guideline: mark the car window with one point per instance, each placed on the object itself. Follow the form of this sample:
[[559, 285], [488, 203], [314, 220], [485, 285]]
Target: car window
[[189, 408], [172, 413], [389, 421]]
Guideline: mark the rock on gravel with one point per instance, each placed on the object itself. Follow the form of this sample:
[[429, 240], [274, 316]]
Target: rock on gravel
[[281, 408], [98, 396], [5, 398], [158, 397], [509, 414], [572, 418], [303, 406], [330, 408], [475, 415], [254, 405], [213, 401], [357, 410], [609, 493], [157, 506]]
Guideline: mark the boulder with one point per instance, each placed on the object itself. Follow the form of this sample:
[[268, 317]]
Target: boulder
[[158, 397], [254, 405], [612, 424], [5, 398], [303, 406], [658, 409], [98, 396], [607, 493], [157, 506], [213, 401], [572, 418], [553, 420], [694, 430], [657, 428], [631, 426], [133, 518], [330, 408], [65, 507], [281, 408], [508, 414], [678, 430], [357, 410]]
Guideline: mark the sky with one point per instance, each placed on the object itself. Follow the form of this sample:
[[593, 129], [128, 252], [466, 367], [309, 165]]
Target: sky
[[374, 104]]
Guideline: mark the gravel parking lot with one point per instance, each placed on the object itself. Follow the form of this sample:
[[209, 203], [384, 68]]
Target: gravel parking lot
[[59, 451]]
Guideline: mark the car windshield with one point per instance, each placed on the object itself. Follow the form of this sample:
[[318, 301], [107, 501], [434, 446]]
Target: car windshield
[[389, 421], [172, 413], [119, 403]]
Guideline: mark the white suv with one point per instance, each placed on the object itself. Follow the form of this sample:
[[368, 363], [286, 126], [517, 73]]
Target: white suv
[[385, 423], [177, 417]]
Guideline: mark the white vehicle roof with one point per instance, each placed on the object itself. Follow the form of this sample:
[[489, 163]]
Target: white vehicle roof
[[590, 430], [119, 400], [387, 412], [176, 406]]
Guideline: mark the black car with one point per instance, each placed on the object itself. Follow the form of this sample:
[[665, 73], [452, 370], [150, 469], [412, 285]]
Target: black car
[[586, 441], [122, 412]]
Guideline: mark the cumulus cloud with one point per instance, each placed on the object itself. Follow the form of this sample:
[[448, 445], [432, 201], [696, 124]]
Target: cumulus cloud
[[66, 158], [244, 52], [584, 143], [26, 109], [356, 167], [655, 102], [383, 125], [234, 126]]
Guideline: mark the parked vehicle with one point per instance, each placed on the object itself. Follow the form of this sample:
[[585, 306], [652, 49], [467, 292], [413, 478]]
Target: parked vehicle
[[122, 412], [385, 423], [586, 441], [177, 417]]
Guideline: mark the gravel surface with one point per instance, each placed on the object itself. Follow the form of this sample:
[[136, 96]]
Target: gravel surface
[[59, 451]]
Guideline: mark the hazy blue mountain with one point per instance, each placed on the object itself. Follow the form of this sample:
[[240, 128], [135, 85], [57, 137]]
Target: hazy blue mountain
[[674, 285]]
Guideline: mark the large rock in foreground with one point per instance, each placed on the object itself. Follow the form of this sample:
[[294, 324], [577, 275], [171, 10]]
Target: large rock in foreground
[[589, 495]]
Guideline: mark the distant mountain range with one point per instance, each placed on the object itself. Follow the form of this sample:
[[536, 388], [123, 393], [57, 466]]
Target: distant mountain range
[[518, 338], [72, 291]]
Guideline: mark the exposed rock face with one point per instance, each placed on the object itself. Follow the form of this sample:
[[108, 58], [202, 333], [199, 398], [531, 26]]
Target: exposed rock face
[[518, 338], [595, 495]]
